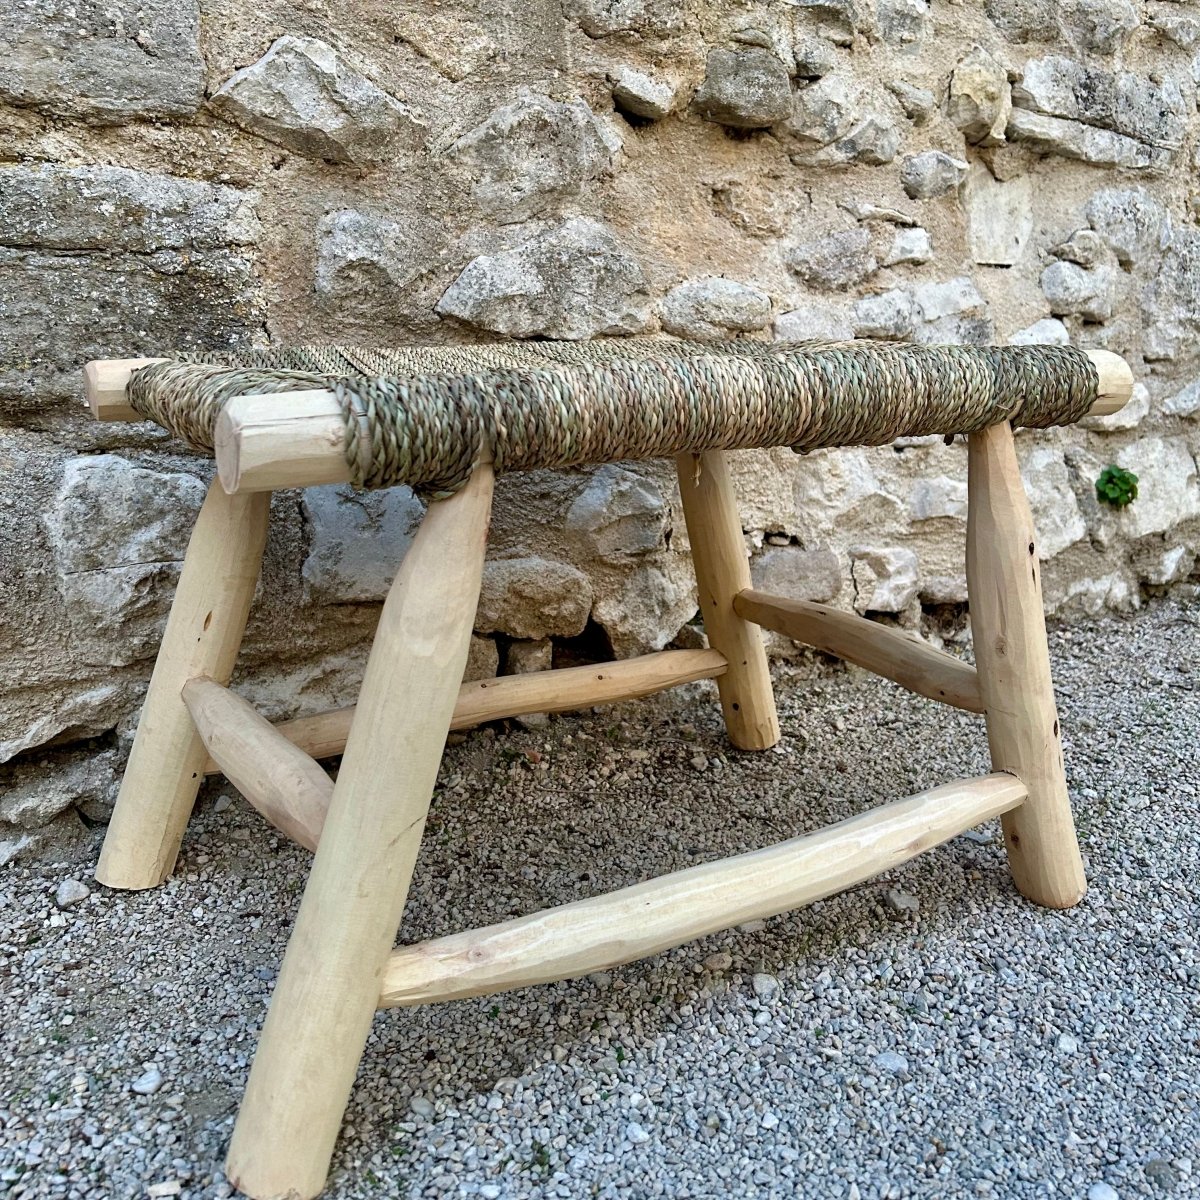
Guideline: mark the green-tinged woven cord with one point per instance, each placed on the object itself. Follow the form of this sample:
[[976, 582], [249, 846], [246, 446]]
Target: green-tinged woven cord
[[422, 416]]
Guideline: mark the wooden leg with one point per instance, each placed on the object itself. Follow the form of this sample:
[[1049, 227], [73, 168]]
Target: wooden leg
[[1013, 662], [330, 983], [203, 635], [723, 570]]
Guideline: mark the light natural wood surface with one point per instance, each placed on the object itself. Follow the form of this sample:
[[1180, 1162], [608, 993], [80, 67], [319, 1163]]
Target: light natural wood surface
[[290, 439], [905, 660], [722, 570], [276, 777], [1008, 624], [563, 690], [203, 634], [1116, 383], [104, 381], [601, 932], [328, 986]]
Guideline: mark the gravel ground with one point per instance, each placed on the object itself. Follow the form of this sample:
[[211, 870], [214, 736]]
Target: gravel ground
[[927, 1034]]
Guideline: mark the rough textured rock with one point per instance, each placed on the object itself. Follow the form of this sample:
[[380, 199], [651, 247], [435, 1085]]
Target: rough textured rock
[[1110, 118], [365, 260], [1120, 101], [918, 103], [903, 24], [533, 598], [911, 245], [714, 308], [130, 262], [1101, 26], [831, 321], [838, 260], [533, 154], [643, 18], [644, 609], [620, 515], [1185, 403], [930, 174], [1134, 226], [885, 578], [358, 540], [744, 89], [575, 280], [824, 111], [107, 64], [1171, 299], [303, 95], [1024, 20], [938, 497], [117, 536], [1056, 516], [999, 217], [889, 315], [799, 573], [979, 98], [1168, 491], [643, 95], [1049, 331], [1072, 290]]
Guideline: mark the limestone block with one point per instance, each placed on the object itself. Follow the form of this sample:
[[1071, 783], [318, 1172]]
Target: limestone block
[[533, 154], [1168, 491], [644, 610], [999, 217], [713, 307], [885, 578], [835, 261], [619, 516], [798, 573], [103, 63], [1056, 515], [129, 262], [357, 541], [744, 89], [979, 98], [910, 245], [575, 280], [930, 174], [533, 598], [305, 96], [118, 535]]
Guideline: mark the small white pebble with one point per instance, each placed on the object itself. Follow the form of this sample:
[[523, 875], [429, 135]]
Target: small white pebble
[[71, 892], [765, 986], [901, 902], [769, 1120], [168, 1187], [490, 1191], [1102, 1191], [148, 1083], [636, 1134], [1068, 1043], [892, 1062]]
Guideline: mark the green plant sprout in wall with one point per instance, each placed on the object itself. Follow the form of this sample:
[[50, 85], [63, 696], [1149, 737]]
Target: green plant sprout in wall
[[1116, 486]]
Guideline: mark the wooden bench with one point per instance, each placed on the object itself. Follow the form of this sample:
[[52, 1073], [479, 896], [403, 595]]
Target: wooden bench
[[446, 421]]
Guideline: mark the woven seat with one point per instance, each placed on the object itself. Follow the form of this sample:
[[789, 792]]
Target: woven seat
[[421, 416], [445, 421]]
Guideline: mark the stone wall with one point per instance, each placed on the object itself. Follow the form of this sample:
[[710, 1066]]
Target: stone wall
[[1018, 170]]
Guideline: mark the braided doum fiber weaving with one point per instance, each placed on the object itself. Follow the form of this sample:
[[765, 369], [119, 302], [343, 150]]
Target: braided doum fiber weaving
[[423, 416]]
